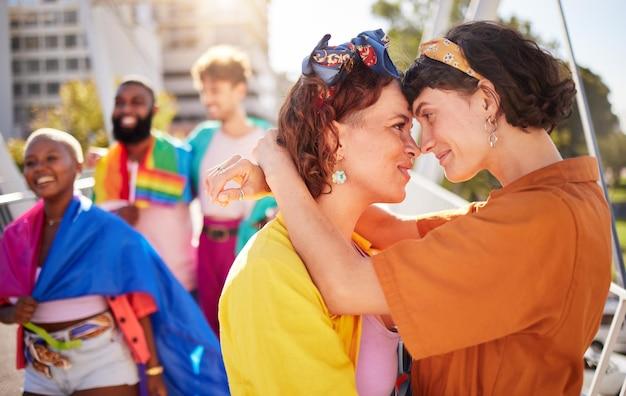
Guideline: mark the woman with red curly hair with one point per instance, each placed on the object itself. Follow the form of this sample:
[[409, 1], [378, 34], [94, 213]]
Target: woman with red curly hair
[[347, 125], [504, 298]]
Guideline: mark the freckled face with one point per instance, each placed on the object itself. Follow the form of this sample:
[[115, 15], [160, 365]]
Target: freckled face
[[379, 149]]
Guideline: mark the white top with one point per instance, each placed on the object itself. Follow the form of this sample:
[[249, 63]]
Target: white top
[[67, 309], [169, 231], [221, 148]]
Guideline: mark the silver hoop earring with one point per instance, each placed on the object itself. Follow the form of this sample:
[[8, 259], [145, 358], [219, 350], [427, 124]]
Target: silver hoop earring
[[493, 139], [491, 126]]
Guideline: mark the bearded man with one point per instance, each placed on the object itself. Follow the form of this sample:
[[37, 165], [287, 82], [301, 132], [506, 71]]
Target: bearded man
[[144, 179]]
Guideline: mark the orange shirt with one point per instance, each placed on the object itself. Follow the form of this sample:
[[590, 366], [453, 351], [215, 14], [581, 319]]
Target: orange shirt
[[505, 299]]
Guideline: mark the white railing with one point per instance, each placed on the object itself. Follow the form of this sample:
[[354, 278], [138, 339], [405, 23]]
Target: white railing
[[610, 343], [22, 197]]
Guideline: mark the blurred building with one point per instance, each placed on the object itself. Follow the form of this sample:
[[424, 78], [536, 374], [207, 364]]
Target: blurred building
[[6, 96], [188, 28], [47, 47], [54, 41]]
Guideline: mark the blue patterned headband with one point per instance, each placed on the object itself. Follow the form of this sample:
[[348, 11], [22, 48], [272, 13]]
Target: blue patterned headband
[[330, 63]]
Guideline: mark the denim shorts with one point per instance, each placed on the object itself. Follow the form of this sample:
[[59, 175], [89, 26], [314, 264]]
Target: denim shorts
[[101, 361]]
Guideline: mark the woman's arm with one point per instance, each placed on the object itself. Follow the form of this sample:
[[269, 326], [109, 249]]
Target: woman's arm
[[377, 225], [7, 314], [384, 229], [345, 278], [156, 386], [240, 170], [19, 313]]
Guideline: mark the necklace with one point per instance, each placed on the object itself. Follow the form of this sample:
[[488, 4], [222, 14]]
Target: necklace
[[52, 222]]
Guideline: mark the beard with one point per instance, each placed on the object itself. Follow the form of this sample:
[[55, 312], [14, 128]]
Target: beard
[[136, 134]]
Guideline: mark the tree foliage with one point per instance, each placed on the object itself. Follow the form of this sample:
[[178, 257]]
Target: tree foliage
[[16, 149], [407, 22], [405, 27], [167, 111], [80, 114], [570, 136]]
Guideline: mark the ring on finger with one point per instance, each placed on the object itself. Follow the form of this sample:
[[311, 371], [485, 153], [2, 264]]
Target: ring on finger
[[241, 194]]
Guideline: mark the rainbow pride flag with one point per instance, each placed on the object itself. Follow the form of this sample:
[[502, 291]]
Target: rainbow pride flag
[[161, 178]]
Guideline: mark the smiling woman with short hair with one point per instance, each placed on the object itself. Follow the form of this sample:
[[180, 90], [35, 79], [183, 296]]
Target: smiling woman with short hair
[[505, 297], [92, 297]]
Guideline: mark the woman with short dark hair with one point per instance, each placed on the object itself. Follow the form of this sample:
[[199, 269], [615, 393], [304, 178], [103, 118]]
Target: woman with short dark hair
[[98, 311], [504, 298]]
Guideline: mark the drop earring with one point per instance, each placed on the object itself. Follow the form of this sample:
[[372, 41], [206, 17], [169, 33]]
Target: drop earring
[[490, 127], [339, 177]]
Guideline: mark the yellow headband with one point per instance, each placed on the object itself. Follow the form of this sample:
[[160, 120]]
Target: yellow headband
[[445, 51]]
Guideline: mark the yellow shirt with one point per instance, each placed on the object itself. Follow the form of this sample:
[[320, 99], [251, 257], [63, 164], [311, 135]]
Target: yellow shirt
[[277, 335]]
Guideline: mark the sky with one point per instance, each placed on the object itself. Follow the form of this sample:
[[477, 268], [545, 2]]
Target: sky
[[296, 26], [596, 32]]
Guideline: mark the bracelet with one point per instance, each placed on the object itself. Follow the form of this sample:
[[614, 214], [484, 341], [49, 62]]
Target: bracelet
[[156, 370]]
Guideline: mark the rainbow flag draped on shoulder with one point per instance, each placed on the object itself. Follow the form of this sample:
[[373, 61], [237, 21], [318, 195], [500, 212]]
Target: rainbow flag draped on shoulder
[[96, 253], [161, 178]]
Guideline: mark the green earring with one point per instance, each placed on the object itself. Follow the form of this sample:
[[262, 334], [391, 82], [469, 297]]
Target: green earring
[[339, 177]]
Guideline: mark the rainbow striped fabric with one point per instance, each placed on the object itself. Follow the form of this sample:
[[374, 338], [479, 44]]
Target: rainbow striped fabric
[[161, 177]]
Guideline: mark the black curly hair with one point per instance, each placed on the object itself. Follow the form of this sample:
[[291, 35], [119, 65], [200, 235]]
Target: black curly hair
[[536, 89]]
